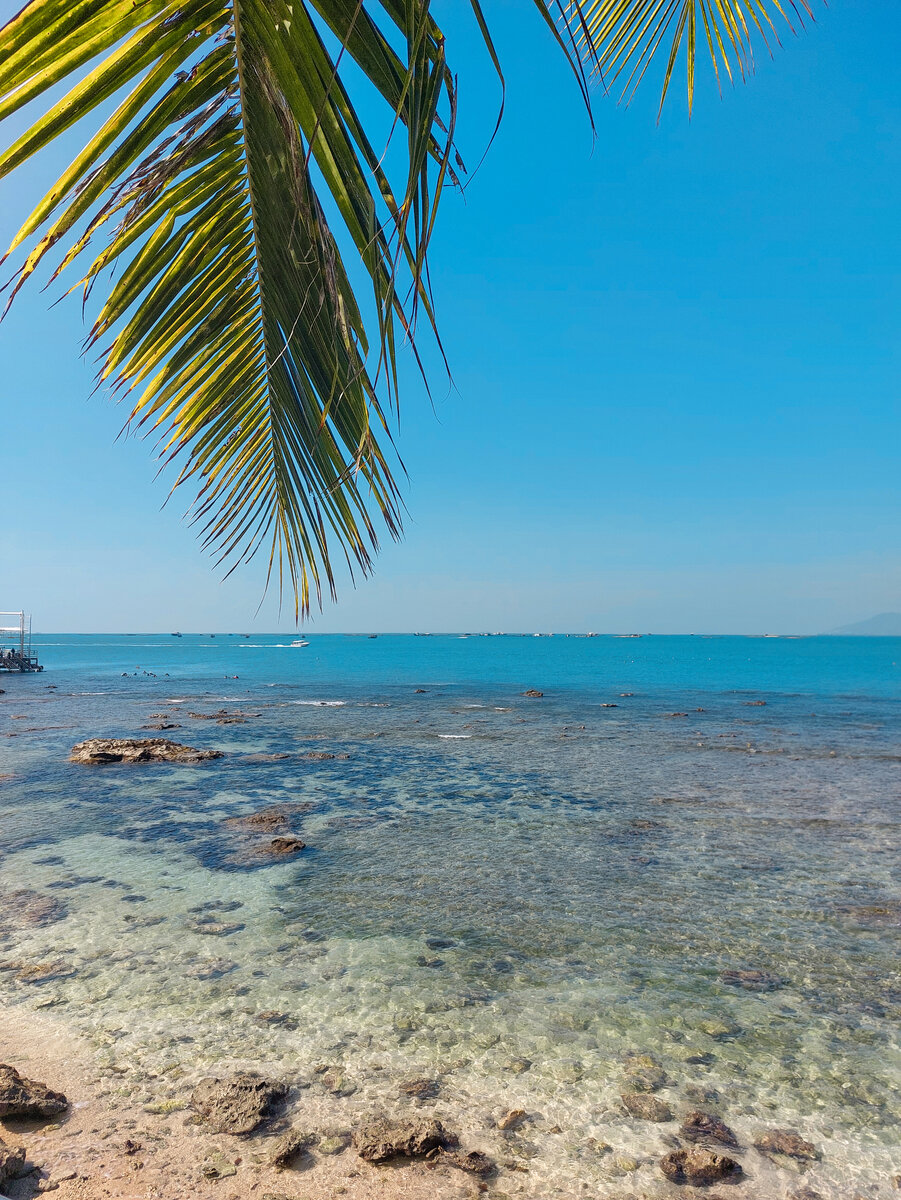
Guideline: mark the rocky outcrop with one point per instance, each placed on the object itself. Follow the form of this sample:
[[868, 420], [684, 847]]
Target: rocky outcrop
[[238, 1104], [475, 1162], [533, 694], [647, 1108], [96, 751], [21, 1097], [35, 909], [292, 1147], [786, 1142], [12, 1161], [699, 1168], [380, 1139], [705, 1127], [753, 981]]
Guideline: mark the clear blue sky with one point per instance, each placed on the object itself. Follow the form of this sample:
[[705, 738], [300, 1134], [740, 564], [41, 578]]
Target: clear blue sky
[[675, 356]]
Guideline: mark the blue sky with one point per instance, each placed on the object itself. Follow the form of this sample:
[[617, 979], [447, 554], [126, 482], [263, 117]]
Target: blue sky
[[675, 374]]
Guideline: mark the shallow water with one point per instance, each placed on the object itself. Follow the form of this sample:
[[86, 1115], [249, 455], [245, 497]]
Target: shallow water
[[509, 895]]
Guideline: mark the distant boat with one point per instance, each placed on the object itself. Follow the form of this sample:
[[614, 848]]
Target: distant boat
[[176, 635], [300, 643]]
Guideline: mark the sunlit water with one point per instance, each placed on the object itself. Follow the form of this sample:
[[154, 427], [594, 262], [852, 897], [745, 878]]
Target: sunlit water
[[511, 896]]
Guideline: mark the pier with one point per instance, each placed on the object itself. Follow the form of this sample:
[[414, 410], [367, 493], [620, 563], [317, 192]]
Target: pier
[[15, 644]]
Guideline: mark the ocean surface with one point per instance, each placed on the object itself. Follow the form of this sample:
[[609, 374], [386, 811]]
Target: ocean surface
[[676, 870]]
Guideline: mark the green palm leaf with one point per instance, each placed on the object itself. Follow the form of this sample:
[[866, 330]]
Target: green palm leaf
[[227, 173], [623, 36]]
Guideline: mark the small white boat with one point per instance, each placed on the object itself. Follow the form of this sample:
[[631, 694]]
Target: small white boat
[[300, 643]]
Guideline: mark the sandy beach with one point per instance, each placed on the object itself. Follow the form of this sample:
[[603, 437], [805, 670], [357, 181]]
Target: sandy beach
[[105, 1146]]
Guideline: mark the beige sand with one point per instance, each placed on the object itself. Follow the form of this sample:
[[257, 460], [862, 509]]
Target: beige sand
[[85, 1155]]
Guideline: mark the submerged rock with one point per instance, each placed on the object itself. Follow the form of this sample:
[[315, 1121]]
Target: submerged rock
[[705, 1127], [137, 750], [291, 1146], [787, 1142], [238, 1104], [475, 1162], [382, 1139], [698, 1168], [21, 1097], [419, 1089], [32, 908], [12, 1161], [533, 694], [753, 981], [647, 1108], [512, 1119]]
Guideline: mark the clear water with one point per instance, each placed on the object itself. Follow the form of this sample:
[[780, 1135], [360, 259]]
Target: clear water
[[584, 874]]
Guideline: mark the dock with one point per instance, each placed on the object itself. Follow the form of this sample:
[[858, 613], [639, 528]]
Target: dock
[[15, 644]]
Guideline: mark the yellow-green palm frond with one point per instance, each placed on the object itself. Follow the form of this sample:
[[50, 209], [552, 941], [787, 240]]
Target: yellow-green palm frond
[[226, 146], [622, 36]]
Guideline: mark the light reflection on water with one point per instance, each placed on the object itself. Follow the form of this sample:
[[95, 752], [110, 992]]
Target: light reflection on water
[[490, 881]]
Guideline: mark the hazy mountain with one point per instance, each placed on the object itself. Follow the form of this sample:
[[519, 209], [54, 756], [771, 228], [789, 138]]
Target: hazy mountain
[[883, 625]]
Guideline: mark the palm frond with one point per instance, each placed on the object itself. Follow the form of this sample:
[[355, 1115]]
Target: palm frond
[[621, 37], [231, 324]]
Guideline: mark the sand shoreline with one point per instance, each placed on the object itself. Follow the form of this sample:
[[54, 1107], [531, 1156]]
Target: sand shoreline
[[89, 1153]]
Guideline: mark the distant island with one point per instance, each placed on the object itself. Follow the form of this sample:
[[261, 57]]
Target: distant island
[[882, 625]]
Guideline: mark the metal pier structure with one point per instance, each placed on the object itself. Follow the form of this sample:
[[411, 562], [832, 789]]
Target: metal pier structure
[[15, 643]]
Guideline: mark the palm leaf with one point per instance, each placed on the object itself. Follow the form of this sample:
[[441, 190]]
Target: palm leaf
[[623, 36], [227, 172], [231, 323]]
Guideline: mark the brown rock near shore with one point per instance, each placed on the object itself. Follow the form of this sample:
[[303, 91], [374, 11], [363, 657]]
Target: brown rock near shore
[[12, 1160], [380, 1139], [698, 1168], [647, 1108], [96, 751], [238, 1104], [705, 1127], [21, 1097], [787, 1142]]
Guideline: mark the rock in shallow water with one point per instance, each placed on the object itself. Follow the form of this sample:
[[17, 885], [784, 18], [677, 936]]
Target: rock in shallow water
[[382, 1139], [20, 1097], [647, 1108], [698, 1168], [787, 1142], [238, 1104], [753, 981], [705, 1127], [137, 750], [12, 1160]]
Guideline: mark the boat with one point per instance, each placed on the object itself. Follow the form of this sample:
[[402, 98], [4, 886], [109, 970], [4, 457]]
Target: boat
[[300, 643]]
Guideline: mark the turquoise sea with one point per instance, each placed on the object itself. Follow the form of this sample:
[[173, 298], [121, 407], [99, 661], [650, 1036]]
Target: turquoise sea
[[678, 868]]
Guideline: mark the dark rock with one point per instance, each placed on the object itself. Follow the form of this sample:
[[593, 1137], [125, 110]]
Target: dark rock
[[137, 750], [787, 1142], [752, 981], [160, 725], [648, 1108], [382, 1139], [291, 1146], [705, 1127], [237, 1104], [475, 1162], [267, 820], [321, 756], [518, 1065], [20, 1097], [284, 846], [440, 943], [26, 907], [698, 1167], [131, 1148], [274, 1018], [12, 1161], [533, 694], [420, 1089]]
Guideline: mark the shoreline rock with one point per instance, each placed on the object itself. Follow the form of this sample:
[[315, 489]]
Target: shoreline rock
[[239, 1104], [380, 1139], [21, 1097], [96, 751], [699, 1168], [705, 1127]]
